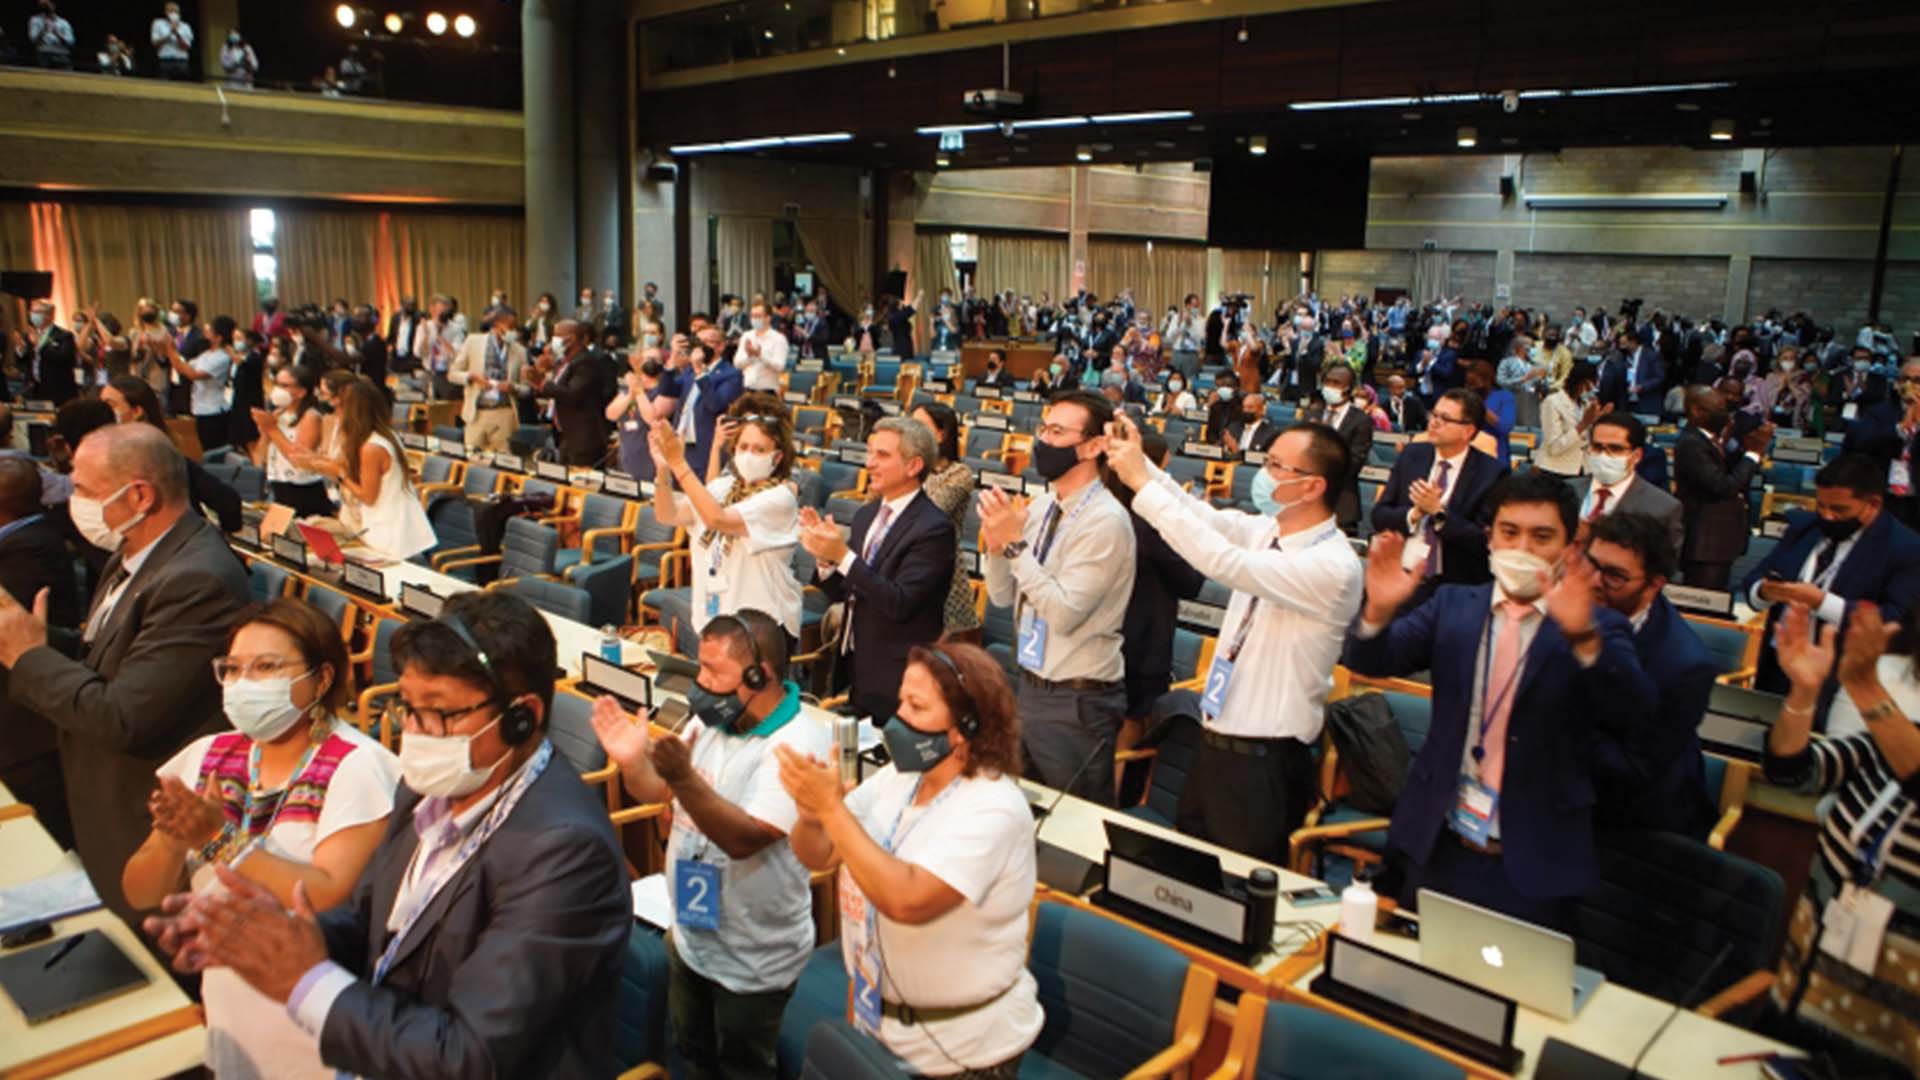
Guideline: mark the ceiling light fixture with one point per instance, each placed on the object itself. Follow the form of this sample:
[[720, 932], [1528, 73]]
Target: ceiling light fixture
[[1257, 146], [942, 161], [1722, 130], [1083, 152], [463, 25], [1466, 138], [436, 23], [395, 22], [762, 143], [345, 16], [1142, 117], [1242, 35], [943, 129], [1524, 95]]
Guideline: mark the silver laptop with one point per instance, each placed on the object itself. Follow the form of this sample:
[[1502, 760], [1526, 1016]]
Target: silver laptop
[[1530, 964]]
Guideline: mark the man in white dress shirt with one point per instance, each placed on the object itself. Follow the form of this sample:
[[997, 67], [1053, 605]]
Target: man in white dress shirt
[[762, 354], [1296, 587]]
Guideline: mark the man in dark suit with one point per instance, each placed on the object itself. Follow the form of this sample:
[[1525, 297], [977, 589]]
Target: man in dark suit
[[1849, 551], [1334, 406], [1223, 407], [579, 387], [1497, 809], [707, 385], [1713, 489], [46, 354], [511, 925], [402, 328], [1644, 375], [997, 375], [1613, 484], [1648, 769], [894, 569], [1886, 432], [1161, 580], [1249, 430], [1437, 494], [1406, 411], [1300, 360], [368, 350], [33, 556], [143, 684], [189, 340]]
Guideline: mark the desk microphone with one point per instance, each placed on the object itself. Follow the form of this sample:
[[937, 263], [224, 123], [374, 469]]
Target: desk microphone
[[1679, 1005], [1055, 866], [1062, 793]]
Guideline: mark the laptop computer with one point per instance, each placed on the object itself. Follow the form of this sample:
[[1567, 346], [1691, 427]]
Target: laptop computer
[[673, 673], [66, 974], [1530, 964]]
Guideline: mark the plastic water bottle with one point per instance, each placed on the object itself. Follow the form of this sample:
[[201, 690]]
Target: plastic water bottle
[[610, 650], [1358, 909]]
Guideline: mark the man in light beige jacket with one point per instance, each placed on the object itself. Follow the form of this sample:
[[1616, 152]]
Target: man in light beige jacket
[[491, 366]]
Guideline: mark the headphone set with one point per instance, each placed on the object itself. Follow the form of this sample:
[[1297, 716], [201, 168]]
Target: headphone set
[[968, 721], [754, 678], [518, 720]]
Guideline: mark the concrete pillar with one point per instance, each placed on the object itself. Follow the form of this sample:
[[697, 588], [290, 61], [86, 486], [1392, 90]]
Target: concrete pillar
[[1079, 212], [653, 212], [598, 62], [1739, 270], [546, 42], [1503, 277]]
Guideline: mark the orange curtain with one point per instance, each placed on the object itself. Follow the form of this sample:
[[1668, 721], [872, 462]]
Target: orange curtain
[[377, 256], [110, 256]]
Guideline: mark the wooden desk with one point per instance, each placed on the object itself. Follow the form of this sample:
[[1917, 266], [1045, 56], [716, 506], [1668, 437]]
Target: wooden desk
[[1614, 1024], [1023, 359], [1079, 826], [154, 1031]]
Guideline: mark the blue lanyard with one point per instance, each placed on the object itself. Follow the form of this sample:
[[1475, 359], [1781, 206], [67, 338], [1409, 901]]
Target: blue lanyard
[[431, 887], [1246, 621], [1489, 707], [1042, 550], [894, 837]]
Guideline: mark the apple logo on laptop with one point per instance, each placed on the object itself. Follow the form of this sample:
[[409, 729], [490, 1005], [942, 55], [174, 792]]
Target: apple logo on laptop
[[1491, 954]]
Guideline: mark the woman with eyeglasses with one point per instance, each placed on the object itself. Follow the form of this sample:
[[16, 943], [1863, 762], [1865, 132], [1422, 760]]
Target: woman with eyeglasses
[[293, 798], [743, 524]]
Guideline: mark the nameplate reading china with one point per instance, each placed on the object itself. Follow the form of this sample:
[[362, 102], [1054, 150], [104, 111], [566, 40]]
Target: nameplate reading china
[[619, 483], [854, 455], [550, 470], [365, 578], [290, 549], [1208, 451], [991, 422], [420, 600], [1209, 912], [1693, 598]]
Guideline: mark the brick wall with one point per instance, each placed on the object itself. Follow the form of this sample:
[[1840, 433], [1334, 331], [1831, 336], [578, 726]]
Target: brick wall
[[1342, 273], [1470, 275], [1688, 285], [1836, 292]]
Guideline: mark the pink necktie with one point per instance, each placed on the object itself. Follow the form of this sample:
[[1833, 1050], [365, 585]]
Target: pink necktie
[[1501, 689]]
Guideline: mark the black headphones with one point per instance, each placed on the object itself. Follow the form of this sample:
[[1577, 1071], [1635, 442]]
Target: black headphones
[[517, 720], [969, 720], [755, 677]]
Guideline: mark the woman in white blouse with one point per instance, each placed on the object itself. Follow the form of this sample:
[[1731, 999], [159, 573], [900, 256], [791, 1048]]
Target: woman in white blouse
[[377, 496], [936, 862], [291, 798], [744, 523], [1565, 416]]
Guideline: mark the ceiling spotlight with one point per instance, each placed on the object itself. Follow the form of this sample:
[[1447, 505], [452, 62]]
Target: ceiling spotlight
[[942, 161], [1083, 152], [892, 72], [768, 34], [1257, 146], [345, 16], [436, 23], [394, 22], [464, 25], [1722, 130], [1466, 138], [1241, 37]]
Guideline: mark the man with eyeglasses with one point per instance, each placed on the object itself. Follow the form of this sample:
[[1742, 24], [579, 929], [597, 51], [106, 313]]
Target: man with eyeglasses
[[1296, 586], [1613, 485], [1886, 432], [1647, 768], [1436, 495], [1065, 564], [486, 934]]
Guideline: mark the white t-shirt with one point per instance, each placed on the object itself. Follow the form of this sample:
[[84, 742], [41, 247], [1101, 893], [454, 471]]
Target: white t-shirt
[[208, 397], [765, 903], [755, 570], [762, 372], [977, 836], [248, 1034]]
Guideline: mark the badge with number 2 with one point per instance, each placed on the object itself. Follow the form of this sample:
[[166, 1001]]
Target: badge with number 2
[[696, 895], [1215, 699]]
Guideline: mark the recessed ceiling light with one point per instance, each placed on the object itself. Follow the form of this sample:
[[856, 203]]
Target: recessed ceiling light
[[1686, 106], [1466, 138], [1257, 145], [1722, 130], [1083, 152]]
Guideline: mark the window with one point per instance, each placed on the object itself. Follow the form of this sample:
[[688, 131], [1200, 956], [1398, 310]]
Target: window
[[266, 267]]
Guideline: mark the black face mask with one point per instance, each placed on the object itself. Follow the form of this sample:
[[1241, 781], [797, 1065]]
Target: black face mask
[[1714, 422], [716, 710], [1054, 462], [1839, 529]]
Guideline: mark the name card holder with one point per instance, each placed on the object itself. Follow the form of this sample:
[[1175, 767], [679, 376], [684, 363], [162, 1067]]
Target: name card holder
[[420, 601], [1773, 528], [633, 690], [853, 455], [1715, 602], [990, 422], [1796, 455], [1198, 416], [414, 441], [290, 549], [795, 397], [1207, 917], [1375, 474], [1026, 397], [408, 397], [1254, 457], [509, 462], [937, 386], [248, 535], [550, 470], [1420, 1001], [1203, 617], [1391, 438], [987, 393], [1003, 481], [1207, 451], [38, 405], [454, 448], [619, 483], [587, 479], [845, 401], [810, 365], [889, 408], [364, 579], [1038, 487]]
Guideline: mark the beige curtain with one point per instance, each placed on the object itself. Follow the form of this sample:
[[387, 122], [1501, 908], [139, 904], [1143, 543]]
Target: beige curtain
[[16, 252], [113, 255], [744, 252], [1270, 277], [1029, 265], [463, 255], [932, 272], [1429, 276], [326, 253], [834, 248], [1159, 279]]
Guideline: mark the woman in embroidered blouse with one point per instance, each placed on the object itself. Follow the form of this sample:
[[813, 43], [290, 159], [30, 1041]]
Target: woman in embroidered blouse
[[1850, 969], [294, 799], [950, 486]]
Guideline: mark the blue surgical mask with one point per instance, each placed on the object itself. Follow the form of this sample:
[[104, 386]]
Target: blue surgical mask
[[1263, 488], [913, 750]]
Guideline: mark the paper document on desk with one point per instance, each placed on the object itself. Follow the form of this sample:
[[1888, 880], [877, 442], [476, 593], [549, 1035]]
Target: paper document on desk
[[650, 902], [64, 892]]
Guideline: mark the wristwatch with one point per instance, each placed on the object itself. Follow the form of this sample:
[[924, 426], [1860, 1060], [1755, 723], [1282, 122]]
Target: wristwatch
[[1439, 519], [1013, 550]]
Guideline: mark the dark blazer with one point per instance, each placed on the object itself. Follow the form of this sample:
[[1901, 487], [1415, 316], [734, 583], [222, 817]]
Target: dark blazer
[[1875, 432], [35, 557], [1713, 492], [1647, 768], [1162, 580], [49, 367], [1463, 559], [1263, 435], [372, 363], [1642, 498], [580, 392], [248, 394], [513, 968], [1002, 379], [1409, 415], [142, 690], [1356, 429], [718, 388], [1883, 567], [1653, 468], [1612, 384], [1651, 376], [1547, 794], [899, 598], [209, 491]]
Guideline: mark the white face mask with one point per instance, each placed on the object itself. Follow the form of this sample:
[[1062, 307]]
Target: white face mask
[[90, 519], [1334, 395], [1520, 573], [1175, 385], [1786, 367], [173, 318], [281, 397], [1607, 470], [442, 765], [262, 709], [753, 468], [759, 324]]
